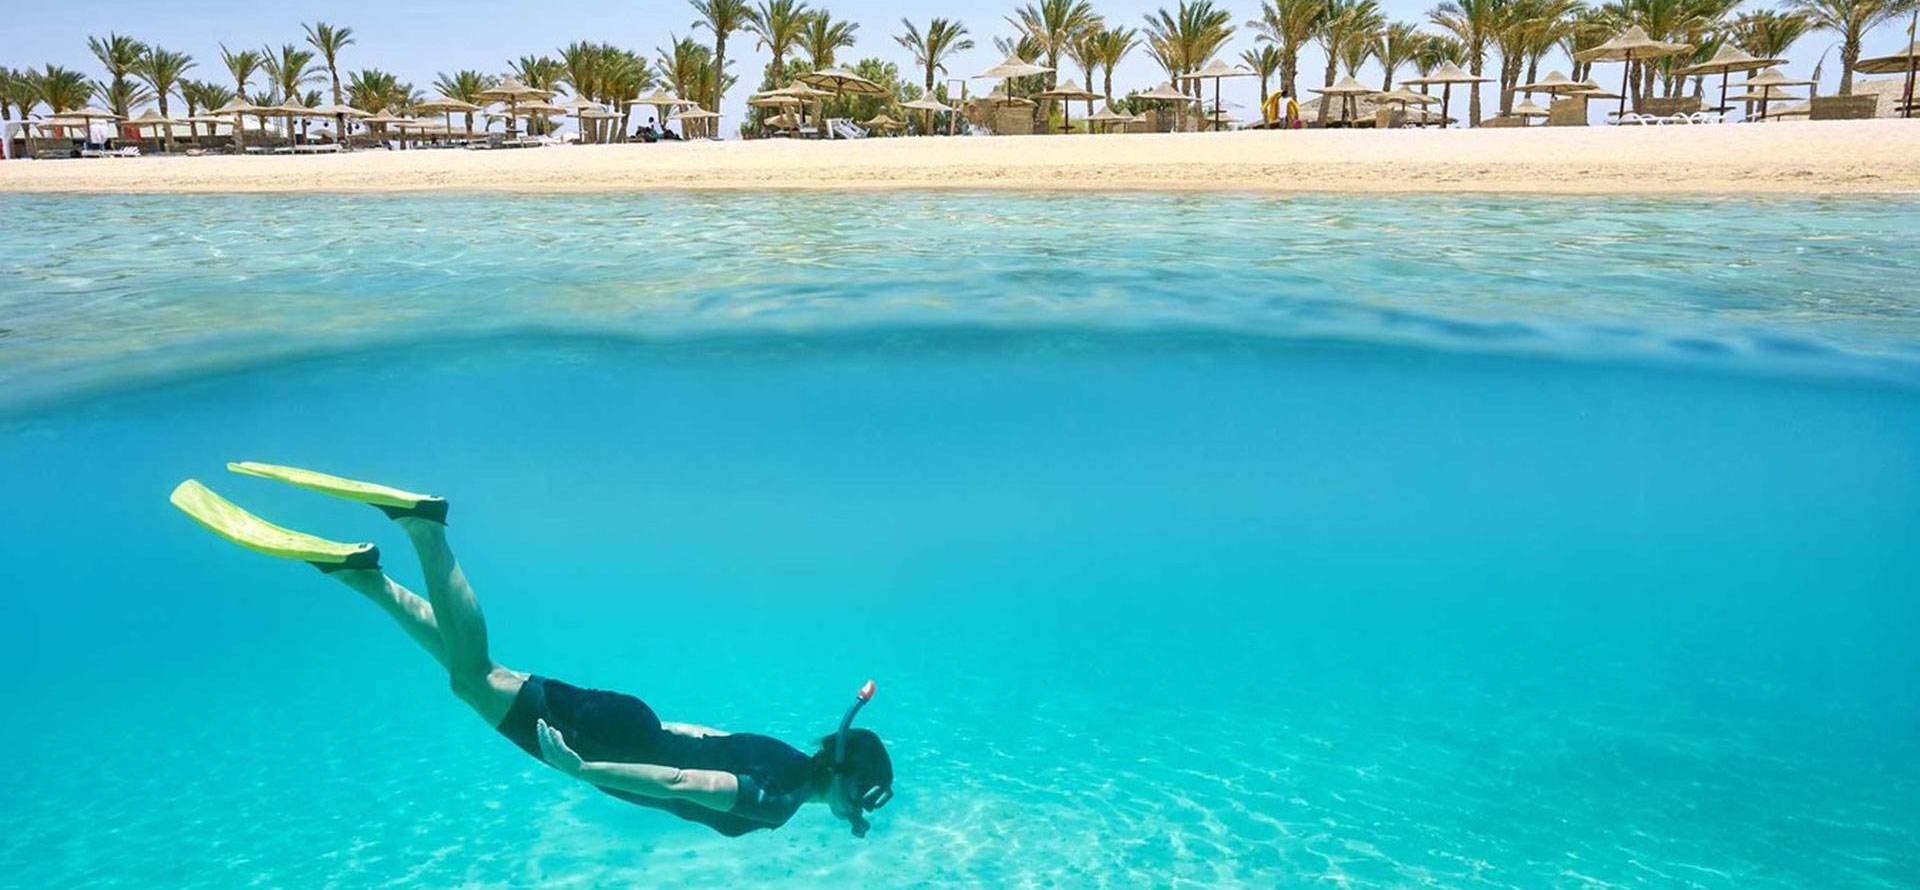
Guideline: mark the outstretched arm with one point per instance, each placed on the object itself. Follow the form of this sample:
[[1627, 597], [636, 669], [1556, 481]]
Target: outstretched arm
[[712, 789]]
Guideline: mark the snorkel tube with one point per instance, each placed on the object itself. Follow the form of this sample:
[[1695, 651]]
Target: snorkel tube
[[857, 806]]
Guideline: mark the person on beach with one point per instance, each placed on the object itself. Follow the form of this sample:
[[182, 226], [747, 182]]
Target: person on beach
[[733, 783]]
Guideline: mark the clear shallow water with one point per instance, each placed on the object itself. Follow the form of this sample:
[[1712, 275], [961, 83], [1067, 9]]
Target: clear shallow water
[[1160, 591]]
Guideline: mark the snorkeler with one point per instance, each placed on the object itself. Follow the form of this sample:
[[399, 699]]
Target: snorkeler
[[732, 783]]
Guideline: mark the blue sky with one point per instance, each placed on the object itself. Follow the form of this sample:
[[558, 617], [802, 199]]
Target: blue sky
[[417, 38]]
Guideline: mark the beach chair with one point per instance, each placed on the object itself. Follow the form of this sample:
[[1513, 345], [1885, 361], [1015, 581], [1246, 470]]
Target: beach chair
[[844, 128], [1633, 119]]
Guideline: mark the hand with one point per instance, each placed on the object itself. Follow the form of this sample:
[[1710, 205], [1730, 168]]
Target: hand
[[554, 750]]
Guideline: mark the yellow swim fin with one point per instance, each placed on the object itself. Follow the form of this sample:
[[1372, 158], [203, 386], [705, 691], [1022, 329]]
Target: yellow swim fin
[[229, 521], [392, 501]]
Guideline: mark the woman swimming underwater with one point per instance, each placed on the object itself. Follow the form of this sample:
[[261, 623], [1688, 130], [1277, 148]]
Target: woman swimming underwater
[[732, 783]]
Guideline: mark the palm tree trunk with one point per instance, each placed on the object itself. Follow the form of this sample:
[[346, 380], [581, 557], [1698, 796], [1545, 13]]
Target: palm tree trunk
[[719, 69], [1473, 101], [1849, 54], [1323, 97]]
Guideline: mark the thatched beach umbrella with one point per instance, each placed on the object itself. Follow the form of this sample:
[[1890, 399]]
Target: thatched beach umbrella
[[1106, 117], [883, 122], [663, 101], [1729, 59], [1013, 66], [1906, 61], [1217, 71], [1445, 77], [693, 114], [292, 110], [1346, 88], [1772, 84], [842, 81], [1525, 110], [1554, 84], [1631, 45], [511, 91], [1067, 93], [931, 106], [446, 105], [1166, 92]]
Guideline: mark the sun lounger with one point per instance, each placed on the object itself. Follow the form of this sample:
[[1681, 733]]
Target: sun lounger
[[127, 152], [1635, 119]]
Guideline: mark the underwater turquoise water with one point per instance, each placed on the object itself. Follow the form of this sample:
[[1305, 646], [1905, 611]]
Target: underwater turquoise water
[[1194, 541]]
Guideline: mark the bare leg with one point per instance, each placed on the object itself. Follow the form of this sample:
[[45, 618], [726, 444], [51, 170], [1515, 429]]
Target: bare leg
[[485, 686], [414, 614]]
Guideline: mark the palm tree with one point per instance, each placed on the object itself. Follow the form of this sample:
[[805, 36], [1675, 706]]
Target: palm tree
[[778, 24], [1054, 26], [1347, 23], [13, 94], [824, 36], [120, 55], [1085, 53], [1264, 62], [1473, 23], [1851, 19], [1768, 34], [465, 85], [60, 89], [1288, 25], [1183, 41], [118, 94], [1113, 45], [242, 65], [1585, 30], [1394, 46], [289, 70], [688, 67], [162, 70], [721, 18], [373, 90], [931, 48], [330, 40]]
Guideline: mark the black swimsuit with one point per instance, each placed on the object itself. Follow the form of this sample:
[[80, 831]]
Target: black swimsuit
[[775, 778]]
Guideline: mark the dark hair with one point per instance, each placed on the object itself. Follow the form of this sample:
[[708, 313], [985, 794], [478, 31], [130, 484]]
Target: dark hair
[[867, 761]]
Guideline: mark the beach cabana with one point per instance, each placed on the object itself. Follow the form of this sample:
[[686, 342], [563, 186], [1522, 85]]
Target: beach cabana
[[1067, 94], [931, 106], [1347, 89], [1445, 77], [1630, 46], [1216, 71], [1729, 59], [1906, 61]]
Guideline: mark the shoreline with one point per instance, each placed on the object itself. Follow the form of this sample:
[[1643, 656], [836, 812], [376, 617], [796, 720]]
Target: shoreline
[[1828, 157]]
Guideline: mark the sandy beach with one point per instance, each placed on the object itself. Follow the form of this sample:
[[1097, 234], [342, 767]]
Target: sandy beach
[[1802, 157]]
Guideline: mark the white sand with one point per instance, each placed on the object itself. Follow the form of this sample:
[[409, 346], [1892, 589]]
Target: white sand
[[1801, 157]]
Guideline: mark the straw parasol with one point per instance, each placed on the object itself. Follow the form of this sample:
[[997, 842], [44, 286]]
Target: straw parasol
[[882, 121], [931, 106], [1347, 88], [511, 91], [1107, 117], [1406, 97], [1013, 66], [1729, 59], [1067, 93], [1525, 109], [1445, 77], [695, 113], [840, 80], [1554, 84], [446, 105], [291, 109], [1769, 85], [1166, 92], [1630, 46], [1217, 71], [783, 121], [1906, 61], [661, 100]]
